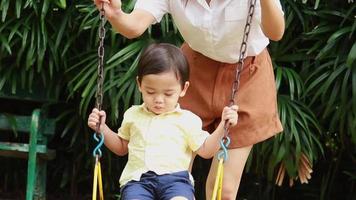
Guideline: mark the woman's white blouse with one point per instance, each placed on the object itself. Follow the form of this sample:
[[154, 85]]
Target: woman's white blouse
[[214, 30]]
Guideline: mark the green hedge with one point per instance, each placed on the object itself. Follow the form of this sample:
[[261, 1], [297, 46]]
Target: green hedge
[[55, 43]]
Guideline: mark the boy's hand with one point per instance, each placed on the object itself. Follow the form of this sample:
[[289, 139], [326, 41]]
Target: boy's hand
[[111, 7], [94, 117], [229, 115]]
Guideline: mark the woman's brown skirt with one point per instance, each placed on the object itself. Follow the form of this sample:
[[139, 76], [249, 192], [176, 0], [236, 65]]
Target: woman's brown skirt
[[210, 91]]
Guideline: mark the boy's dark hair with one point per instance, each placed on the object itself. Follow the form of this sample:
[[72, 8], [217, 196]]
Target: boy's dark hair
[[163, 57]]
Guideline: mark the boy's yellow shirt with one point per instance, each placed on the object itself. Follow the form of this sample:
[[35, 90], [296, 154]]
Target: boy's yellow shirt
[[161, 143]]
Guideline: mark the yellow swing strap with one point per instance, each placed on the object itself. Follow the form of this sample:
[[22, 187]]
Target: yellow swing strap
[[222, 156], [218, 181], [97, 179], [97, 169]]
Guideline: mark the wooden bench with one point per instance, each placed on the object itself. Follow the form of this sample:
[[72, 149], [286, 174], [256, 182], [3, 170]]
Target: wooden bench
[[39, 129]]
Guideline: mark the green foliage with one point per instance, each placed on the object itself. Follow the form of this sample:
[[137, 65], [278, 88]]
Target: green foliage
[[316, 94], [52, 45]]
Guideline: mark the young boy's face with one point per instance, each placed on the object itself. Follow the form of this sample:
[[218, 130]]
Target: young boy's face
[[161, 92]]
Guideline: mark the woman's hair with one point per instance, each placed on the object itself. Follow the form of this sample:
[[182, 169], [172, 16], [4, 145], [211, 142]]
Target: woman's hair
[[162, 57]]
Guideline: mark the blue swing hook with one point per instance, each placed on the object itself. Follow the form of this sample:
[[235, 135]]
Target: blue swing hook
[[100, 139], [224, 143]]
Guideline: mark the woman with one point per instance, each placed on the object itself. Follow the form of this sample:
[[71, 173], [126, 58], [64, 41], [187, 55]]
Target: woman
[[213, 30]]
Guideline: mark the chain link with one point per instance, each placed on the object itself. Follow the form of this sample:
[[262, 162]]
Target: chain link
[[240, 63]]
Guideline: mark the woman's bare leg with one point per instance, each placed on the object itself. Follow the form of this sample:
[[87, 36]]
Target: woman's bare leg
[[233, 169]]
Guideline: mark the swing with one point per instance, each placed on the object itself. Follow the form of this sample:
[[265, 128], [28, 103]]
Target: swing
[[99, 137], [225, 141]]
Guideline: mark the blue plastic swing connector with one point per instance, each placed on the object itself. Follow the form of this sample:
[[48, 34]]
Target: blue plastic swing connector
[[100, 139], [224, 143]]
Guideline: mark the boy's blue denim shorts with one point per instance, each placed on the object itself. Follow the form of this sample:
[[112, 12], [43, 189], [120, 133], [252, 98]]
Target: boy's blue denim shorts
[[159, 187]]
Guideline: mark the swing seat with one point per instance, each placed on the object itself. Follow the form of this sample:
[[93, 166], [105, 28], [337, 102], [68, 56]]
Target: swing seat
[[35, 130]]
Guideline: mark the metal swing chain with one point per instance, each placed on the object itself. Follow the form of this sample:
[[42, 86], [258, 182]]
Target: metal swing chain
[[100, 80], [240, 64], [99, 137]]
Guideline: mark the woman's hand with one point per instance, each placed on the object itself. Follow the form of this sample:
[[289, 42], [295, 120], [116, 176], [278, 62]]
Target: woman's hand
[[229, 115], [94, 118], [131, 25], [111, 7]]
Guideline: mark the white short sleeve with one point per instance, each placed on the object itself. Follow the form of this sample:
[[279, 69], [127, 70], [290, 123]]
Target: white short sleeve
[[156, 7]]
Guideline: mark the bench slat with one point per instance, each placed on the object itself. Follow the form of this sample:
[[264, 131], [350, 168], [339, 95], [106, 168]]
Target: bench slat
[[20, 150], [22, 124]]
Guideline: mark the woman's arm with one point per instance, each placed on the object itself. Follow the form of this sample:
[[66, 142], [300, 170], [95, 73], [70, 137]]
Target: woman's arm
[[272, 20], [130, 25]]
